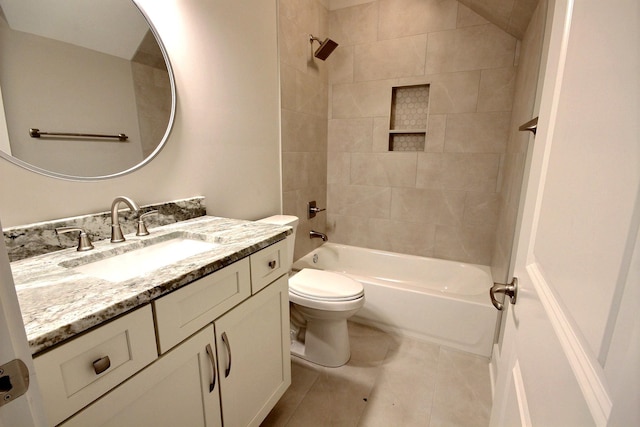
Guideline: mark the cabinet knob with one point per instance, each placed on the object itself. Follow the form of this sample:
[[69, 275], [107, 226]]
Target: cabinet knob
[[101, 365], [272, 264]]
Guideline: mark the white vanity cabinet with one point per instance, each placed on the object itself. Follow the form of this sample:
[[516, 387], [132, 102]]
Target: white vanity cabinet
[[254, 365], [187, 310], [78, 372], [180, 389], [268, 264], [224, 353]]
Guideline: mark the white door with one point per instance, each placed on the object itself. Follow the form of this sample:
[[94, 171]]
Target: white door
[[26, 410], [577, 250]]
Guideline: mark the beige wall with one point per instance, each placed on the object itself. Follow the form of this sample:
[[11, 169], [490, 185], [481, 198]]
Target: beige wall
[[304, 82], [225, 142], [442, 202], [40, 77]]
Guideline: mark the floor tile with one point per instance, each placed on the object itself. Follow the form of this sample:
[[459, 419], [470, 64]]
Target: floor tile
[[389, 381], [463, 391], [404, 390], [303, 376]]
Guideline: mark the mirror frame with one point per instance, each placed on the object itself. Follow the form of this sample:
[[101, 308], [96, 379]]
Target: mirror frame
[[150, 157]]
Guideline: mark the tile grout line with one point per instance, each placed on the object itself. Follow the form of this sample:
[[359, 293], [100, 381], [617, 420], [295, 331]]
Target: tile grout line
[[374, 385], [306, 393]]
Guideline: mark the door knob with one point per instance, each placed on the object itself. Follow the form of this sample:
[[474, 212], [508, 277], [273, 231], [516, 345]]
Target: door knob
[[510, 290]]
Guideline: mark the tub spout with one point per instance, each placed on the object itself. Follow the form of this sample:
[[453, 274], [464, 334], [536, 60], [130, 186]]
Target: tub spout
[[313, 234]]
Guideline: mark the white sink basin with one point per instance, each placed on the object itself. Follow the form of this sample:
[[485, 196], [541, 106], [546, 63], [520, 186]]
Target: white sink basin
[[144, 260]]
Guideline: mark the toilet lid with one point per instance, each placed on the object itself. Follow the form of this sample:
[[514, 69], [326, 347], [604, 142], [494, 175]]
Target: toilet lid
[[325, 285]]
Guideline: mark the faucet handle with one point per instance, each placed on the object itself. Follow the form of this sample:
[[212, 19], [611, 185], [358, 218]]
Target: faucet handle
[[312, 209], [142, 227], [84, 242]]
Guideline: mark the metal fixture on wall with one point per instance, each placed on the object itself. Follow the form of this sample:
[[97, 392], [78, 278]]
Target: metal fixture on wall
[[37, 133], [312, 210], [326, 47], [316, 234]]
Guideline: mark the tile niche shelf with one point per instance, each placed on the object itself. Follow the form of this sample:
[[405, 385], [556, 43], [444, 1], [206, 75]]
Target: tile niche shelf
[[408, 118]]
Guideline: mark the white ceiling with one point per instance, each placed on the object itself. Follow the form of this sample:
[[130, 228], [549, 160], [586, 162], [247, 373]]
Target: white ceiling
[[114, 27]]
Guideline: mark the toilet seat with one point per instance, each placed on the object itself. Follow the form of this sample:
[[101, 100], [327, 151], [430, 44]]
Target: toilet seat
[[325, 286]]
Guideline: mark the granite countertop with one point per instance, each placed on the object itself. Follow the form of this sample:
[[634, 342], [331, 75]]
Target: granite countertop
[[58, 303]]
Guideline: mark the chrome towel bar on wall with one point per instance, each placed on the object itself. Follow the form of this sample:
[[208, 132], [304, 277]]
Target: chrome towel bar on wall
[[36, 133]]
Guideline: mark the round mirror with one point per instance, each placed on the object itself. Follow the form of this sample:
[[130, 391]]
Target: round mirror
[[86, 87]]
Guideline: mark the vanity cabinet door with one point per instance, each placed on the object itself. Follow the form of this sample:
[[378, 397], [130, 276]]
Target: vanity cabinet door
[[268, 264], [176, 390], [253, 355], [190, 308]]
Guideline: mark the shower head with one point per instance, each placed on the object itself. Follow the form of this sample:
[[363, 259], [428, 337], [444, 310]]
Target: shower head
[[326, 47]]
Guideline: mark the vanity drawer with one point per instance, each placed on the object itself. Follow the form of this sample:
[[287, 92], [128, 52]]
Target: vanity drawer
[[268, 264], [76, 373], [187, 310]]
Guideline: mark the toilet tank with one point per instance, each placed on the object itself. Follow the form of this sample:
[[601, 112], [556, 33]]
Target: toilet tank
[[285, 220]]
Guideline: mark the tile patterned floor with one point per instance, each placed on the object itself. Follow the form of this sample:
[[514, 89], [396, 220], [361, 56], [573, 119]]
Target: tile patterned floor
[[389, 381]]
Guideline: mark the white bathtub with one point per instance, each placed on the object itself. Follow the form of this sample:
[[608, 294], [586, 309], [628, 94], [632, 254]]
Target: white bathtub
[[436, 300]]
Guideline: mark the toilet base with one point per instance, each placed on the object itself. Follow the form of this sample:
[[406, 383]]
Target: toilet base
[[324, 343]]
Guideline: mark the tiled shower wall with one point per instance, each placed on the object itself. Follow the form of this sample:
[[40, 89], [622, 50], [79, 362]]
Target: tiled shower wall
[[442, 202], [515, 157], [153, 96], [304, 103]]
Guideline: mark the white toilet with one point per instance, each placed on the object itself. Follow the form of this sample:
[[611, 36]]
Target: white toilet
[[321, 303]]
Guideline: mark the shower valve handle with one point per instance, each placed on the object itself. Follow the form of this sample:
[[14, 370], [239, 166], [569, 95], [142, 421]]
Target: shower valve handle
[[312, 209]]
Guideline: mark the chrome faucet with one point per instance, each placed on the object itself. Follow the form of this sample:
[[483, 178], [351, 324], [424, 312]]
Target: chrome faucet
[[313, 234], [116, 230]]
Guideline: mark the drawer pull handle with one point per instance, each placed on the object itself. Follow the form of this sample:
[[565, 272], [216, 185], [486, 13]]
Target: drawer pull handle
[[212, 385], [225, 340], [272, 264], [101, 365]]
